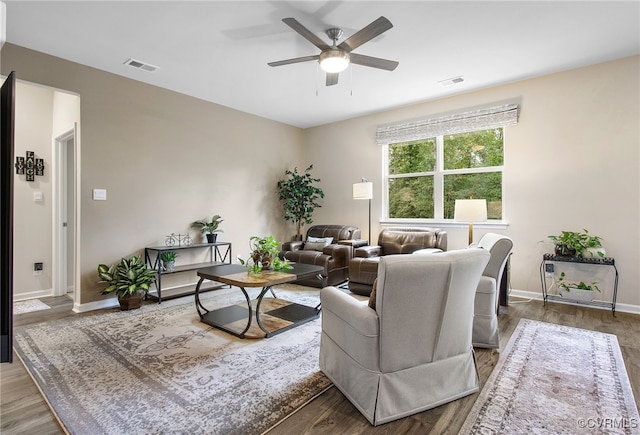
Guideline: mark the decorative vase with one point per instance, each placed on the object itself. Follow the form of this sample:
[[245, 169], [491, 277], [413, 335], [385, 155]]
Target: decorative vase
[[564, 251], [131, 301], [169, 266], [594, 252], [211, 238]]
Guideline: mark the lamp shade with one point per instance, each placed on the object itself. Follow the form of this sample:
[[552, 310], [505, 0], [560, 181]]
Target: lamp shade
[[470, 210], [363, 190]]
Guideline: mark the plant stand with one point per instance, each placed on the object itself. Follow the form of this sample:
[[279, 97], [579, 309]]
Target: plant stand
[[574, 296]]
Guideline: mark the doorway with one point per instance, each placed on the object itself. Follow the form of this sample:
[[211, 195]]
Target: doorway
[[65, 212]]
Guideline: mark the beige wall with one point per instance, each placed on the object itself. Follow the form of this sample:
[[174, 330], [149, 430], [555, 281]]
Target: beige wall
[[572, 162], [165, 159], [33, 220]]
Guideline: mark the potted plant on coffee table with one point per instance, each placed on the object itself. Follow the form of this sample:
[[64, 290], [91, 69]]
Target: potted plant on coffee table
[[130, 280], [210, 228], [264, 255]]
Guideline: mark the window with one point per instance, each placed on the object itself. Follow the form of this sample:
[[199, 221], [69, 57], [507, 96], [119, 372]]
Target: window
[[425, 177]]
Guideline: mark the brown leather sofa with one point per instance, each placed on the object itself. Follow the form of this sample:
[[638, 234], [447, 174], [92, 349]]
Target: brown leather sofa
[[334, 257], [363, 268]]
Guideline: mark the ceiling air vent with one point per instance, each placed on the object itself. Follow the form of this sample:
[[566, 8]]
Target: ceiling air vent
[[141, 65], [451, 81]]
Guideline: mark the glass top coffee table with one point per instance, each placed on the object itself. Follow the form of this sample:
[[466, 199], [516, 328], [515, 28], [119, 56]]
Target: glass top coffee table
[[272, 315]]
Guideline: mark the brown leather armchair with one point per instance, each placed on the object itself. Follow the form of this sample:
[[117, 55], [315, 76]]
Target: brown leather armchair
[[363, 268], [334, 257]]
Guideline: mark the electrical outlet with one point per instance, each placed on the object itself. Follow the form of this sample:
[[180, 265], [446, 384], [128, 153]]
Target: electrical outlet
[[549, 269]]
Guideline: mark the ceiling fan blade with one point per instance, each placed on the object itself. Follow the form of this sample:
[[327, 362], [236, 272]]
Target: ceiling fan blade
[[374, 62], [332, 79], [306, 33], [294, 60], [369, 32]]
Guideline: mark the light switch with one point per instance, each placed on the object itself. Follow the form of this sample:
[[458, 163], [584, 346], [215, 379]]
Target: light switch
[[99, 194], [38, 197]]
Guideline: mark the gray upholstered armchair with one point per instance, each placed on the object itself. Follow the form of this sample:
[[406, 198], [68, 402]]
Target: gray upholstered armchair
[[413, 351], [328, 253], [485, 321]]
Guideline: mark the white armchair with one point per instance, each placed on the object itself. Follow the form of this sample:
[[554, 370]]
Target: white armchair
[[413, 351], [485, 320]]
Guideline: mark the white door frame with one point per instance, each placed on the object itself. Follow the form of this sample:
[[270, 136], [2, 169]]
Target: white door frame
[[59, 177]]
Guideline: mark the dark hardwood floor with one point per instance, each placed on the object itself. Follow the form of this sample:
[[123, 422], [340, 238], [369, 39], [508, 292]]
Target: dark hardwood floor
[[23, 410]]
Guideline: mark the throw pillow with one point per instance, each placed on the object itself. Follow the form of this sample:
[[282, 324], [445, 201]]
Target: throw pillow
[[313, 246], [372, 297], [326, 240]]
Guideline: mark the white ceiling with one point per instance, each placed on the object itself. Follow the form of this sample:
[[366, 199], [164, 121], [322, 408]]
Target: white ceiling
[[218, 50]]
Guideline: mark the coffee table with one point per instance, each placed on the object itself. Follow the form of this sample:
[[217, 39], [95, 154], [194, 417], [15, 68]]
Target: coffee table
[[273, 315]]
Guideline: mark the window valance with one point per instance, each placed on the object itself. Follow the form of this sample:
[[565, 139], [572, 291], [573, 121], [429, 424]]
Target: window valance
[[484, 119]]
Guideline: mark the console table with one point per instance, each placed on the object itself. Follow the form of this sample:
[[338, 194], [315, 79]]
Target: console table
[[219, 253], [590, 262]]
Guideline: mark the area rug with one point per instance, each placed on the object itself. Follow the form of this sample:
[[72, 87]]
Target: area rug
[[28, 306], [554, 379], [160, 370]]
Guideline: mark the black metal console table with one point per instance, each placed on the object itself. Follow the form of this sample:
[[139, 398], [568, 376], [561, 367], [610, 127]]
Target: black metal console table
[[596, 261], [219, 253]]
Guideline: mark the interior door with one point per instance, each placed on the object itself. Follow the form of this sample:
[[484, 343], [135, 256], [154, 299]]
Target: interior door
[[7, 118]]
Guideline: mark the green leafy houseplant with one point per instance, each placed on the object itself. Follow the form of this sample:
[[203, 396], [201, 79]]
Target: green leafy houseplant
[[168, 259], [168, 256], [209, 227], [571, 243], [299, 197], [567, 286], [264, 255], [129, 278]]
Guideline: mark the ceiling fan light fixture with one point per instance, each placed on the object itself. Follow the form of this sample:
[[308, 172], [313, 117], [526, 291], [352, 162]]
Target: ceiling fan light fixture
[[334, 60]]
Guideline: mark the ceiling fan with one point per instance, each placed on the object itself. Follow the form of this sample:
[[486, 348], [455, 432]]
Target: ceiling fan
[[336, 58]]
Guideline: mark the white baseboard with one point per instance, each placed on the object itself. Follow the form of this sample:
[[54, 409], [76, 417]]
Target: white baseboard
[[97, 305], [32, 295], [623, 308]]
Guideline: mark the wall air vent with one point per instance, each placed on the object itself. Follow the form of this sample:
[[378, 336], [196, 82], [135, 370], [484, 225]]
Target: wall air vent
[[141, 65], [451, 81]]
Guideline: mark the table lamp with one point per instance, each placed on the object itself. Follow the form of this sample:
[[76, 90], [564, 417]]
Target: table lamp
[[364, 190], [470, 211]]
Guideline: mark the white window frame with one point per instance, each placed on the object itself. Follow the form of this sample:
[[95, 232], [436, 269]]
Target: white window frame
[[438, 190]]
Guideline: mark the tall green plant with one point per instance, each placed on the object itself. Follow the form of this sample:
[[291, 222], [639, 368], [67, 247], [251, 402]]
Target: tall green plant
[[299, 196]]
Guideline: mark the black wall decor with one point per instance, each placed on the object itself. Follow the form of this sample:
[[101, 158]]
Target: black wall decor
[[29, 166]]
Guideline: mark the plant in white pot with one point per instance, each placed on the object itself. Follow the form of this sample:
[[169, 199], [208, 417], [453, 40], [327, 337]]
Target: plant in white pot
[[130, 280], [576, 290]]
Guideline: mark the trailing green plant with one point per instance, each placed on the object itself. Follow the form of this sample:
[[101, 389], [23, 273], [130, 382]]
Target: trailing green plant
[[567, 286], [127, 277], [209, 227], [168, 256], [264, 255], [571, 243], [299, 197]]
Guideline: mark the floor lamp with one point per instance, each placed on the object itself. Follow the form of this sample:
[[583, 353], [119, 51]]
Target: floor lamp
[[470, 211], [364, 190]]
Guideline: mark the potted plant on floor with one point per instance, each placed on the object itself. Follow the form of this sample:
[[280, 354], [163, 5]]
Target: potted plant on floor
[[299, 196], [210, 228], [130, 280], [168, 259]]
